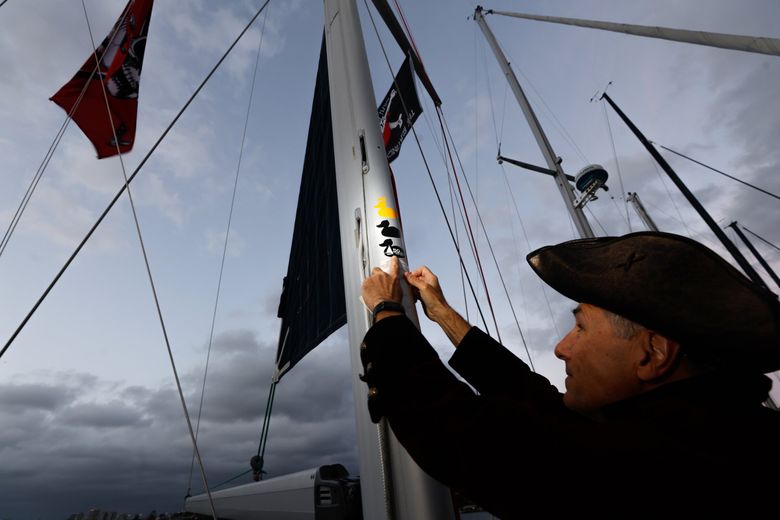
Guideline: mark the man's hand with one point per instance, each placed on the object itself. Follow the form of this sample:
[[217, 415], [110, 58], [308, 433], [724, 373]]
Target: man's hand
[[381, 286], [426, 288]]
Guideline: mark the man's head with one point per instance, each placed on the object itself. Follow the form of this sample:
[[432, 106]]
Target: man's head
[[609, 358], [678, 290]]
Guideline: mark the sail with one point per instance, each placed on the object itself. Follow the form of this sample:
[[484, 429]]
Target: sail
[[121, 57], [312, 305]]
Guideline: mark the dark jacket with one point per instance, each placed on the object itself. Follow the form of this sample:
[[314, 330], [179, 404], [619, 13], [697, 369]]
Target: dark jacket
[[699, 446]]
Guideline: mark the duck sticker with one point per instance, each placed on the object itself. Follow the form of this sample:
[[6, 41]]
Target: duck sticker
[[392, 250], [388, 230], [384, 210]]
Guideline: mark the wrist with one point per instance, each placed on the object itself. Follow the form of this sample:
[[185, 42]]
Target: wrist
[[386, 308]]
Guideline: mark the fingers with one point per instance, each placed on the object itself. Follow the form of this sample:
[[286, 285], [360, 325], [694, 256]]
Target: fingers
[[394, 267]]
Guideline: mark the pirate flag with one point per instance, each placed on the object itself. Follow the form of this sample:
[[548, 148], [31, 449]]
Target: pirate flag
[[399, 110], [120, 58]]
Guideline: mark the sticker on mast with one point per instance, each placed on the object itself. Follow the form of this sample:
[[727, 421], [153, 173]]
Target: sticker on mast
[[391, 249], [384, 210]]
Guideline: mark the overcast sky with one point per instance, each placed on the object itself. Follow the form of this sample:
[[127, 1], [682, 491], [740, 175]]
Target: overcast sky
[[89, 415]]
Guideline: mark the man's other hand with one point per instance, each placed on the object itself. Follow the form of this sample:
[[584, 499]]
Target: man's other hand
[[381, 286], [426, 288]]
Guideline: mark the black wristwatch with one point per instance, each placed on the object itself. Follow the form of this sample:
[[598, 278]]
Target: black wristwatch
[[386, 306]]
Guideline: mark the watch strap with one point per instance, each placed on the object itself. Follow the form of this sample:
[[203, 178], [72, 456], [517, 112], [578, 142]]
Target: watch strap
[[386, 306]]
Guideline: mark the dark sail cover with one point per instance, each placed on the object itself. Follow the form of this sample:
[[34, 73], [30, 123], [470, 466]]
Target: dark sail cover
[[122, 54], [312, 304], [394, 121]]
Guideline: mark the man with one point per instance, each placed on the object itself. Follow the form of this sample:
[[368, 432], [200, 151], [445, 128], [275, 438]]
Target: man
[[662, 413]]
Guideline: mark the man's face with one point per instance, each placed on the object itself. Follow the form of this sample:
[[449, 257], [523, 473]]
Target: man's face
[[600, 366]]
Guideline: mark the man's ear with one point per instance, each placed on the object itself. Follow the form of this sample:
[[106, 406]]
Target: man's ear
[[661, 356]]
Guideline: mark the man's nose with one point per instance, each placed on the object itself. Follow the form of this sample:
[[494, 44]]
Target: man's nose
[[563, 348]]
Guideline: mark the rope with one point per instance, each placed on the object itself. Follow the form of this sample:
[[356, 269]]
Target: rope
[[720, 172], [3, 3], [148, 267], [430, 175], [617, 166], [224, 247], [50, 152]]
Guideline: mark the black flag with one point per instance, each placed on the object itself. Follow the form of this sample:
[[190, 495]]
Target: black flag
[[394, 121], [312, 306]]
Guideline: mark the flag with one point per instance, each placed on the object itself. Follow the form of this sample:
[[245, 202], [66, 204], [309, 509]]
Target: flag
[[312, 305], [399, 110], [121, 55]]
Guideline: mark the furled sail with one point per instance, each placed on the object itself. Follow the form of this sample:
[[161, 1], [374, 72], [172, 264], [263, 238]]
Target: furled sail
[[312, 306]]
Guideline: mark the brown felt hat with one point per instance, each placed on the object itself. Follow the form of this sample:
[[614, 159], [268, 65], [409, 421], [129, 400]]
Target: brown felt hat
[[672, 285]]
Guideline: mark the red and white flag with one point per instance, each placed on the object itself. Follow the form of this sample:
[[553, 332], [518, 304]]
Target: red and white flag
[[121, 55]]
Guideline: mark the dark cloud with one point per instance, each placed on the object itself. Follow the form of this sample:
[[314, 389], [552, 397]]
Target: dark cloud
[[27, 397], [99, 415], [127, 448]]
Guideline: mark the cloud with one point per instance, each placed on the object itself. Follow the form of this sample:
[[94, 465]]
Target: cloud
[[90, 441], [215, 242]]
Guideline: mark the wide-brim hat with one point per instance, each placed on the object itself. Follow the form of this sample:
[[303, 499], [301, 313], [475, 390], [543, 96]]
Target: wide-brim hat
[[674, 286]]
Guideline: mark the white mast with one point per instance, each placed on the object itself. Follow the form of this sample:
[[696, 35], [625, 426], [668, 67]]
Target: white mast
[[633, 198], [392, 485], [757, 44], [577, 215]]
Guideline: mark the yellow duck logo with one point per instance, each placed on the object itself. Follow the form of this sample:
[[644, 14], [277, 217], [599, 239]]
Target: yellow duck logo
[[384, 210]]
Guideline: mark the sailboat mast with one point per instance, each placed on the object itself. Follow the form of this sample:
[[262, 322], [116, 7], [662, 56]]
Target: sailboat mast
[[553, 163], [392, 485], [728, 244], [633, 198], [737, 42], [755, 252]]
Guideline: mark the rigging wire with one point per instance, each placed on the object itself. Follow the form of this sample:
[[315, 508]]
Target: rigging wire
[[52, 147], [606, 233], [669, 194], [554, 119], [468, 224], [495, 260], [122, 189], [490, 93], [430, 175], [257, 461], [720, 172], [528, 245], [764, 240], [452, 202], [3, 3], [149, 270], [617, 166], [225, 245]]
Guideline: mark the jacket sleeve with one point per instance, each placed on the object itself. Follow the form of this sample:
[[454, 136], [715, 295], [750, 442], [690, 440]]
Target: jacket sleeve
[[469, 442], [492, 370]]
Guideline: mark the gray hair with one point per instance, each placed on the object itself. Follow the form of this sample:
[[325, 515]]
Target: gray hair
[[623, 327]]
